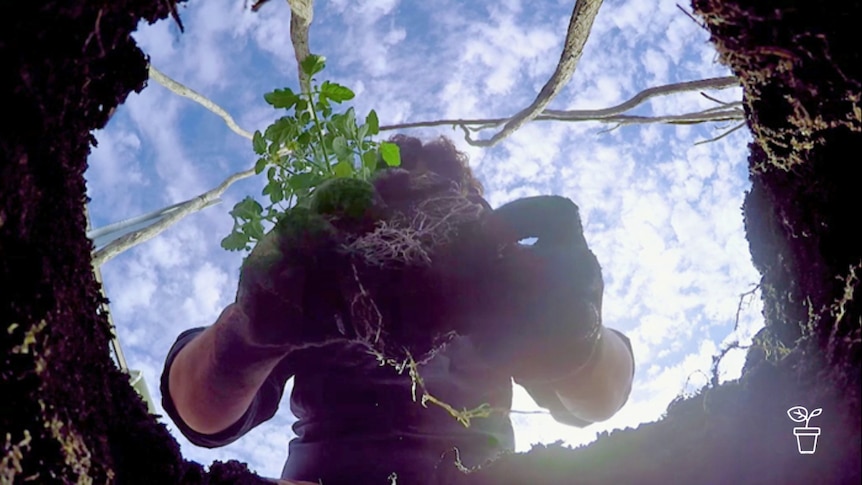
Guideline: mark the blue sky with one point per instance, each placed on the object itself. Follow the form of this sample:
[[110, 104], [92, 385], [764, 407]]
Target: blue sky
[[663, 215]]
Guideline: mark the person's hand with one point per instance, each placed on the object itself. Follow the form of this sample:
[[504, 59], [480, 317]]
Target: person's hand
[[543, 302], [284, 277]]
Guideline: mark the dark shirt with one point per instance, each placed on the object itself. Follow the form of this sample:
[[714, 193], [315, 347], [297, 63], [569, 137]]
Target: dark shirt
[[356, 420]]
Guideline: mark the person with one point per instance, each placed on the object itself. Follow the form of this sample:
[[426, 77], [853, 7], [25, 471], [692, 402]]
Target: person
[[357, 421]]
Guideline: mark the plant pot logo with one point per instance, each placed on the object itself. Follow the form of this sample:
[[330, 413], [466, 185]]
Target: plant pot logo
[[806, 437]]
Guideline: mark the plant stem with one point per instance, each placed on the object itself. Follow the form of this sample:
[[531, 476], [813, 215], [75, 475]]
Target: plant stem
[[319, 131]]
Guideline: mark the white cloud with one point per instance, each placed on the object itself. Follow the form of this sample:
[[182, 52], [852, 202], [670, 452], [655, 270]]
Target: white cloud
[[205, 302], [114, 167]]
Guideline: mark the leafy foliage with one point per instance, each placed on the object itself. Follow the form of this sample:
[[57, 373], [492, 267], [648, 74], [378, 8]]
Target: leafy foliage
[[311, 144]]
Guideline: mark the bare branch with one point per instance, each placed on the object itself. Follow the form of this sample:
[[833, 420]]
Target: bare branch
[[716, 359], [301, 15], [641, 97], [193, 205], [581, 23], [202, 100], [718, 101], [684, 119], [719, 137], [735, 105], [613, 114], [699, 23]]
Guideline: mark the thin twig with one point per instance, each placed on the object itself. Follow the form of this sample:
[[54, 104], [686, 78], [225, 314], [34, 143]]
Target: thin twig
[[580, 24], [202, 100], [735, 106], [692, 17], [718, 101], [716, 359], [719, 137], [193, 205]]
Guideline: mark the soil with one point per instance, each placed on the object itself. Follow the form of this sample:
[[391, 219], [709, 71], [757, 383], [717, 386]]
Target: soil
[[68, 416]]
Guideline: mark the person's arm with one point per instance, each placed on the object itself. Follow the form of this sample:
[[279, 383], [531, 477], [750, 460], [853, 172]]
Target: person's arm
[[216, 376], [215, 379], [594, 394], [552, 313], [600, 391]]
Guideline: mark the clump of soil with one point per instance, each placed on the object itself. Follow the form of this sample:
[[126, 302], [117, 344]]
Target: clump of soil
[[402, 246]]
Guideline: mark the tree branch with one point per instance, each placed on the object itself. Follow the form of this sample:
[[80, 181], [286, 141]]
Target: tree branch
[[187, 92], [301, 15], [614, 114], [193, 205], [684, 119], [641, 97], [583, 15]]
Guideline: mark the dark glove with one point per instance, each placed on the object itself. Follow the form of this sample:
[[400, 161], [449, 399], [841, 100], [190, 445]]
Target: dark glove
[[545, 300], [285, 283]]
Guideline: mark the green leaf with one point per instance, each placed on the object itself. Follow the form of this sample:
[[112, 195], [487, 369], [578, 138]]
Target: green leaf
[[281, 98], [258, 143], [363, 132], [259, 165], [281, 128], [247, 209], [272, 151], [341, 123], [271, 214], [301, 106], [335, 92], [373, 123], [391, 154], [341, 149], [369, 160], [270, 174], [326, 111], [335, 124], [253, 229], [312, 64], [350, 123], [304, 181], [304, 139], [235, 241], [322, 105], [276, 195], [343, 169], [328, 136]]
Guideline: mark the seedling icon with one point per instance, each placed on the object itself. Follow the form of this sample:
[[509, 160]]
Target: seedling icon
[[806, 438]]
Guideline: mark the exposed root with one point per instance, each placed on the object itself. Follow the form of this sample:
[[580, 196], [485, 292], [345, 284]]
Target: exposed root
[[463, 416], [407, 239], [411, 240], [389, 244], [366, 317]]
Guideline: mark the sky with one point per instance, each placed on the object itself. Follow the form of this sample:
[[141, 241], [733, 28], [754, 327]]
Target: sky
[[662, 214]]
